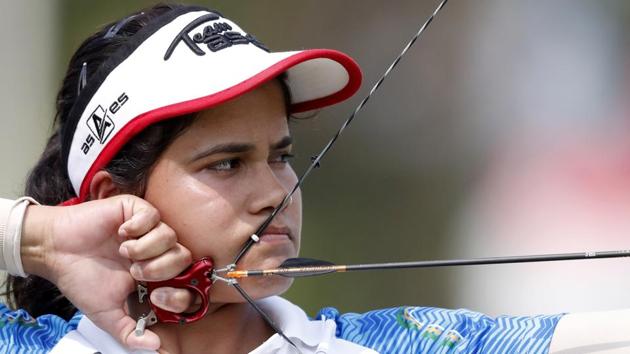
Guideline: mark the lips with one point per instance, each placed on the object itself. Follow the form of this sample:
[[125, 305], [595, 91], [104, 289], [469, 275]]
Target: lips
[[276, 234]]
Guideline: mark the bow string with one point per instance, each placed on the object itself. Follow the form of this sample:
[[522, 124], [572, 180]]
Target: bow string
[[315, 163]]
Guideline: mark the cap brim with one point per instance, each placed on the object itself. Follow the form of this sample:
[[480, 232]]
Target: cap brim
[[156, 87]]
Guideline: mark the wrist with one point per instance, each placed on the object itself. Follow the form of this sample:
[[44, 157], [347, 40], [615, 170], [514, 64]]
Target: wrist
[[12, 214], [35, 236]]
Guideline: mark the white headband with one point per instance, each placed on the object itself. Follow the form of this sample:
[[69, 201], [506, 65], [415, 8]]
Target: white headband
[[185, 61]]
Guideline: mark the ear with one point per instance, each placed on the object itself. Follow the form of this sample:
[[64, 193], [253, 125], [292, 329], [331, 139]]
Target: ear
[[102, 186]]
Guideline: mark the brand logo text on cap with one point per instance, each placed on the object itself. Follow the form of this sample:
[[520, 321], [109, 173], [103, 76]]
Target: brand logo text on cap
[[216, 36], [101, 124]]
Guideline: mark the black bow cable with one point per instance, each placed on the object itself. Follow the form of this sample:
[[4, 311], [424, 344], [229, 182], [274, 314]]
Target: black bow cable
[[266, 317], [316, 160], [314, 164]]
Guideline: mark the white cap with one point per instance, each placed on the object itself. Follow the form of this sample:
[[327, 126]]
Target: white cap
[[185, 61]]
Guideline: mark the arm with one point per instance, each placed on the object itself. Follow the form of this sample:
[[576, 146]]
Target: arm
[[120, 239]]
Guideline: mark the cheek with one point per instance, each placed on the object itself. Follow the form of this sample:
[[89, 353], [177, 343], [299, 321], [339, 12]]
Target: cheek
[[293, 213], [296, 208], [202, 218], [296, 214], [204, 229]]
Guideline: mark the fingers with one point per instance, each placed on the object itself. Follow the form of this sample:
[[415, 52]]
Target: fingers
[[168, 265], [173, 299], [143, 219], [152, 246], [154, 243]]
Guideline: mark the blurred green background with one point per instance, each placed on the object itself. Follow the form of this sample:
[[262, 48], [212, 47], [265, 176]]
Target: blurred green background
[[398, 186]]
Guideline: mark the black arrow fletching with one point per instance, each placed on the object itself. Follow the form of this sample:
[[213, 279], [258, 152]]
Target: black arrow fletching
[[304, 262], [304, 267]]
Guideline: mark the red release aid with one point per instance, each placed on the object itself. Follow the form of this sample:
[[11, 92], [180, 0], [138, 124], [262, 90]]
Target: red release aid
[[196, 278]]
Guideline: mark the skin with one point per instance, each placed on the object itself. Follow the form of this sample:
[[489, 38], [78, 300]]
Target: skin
[[214, 203], [214, 200], [57, 246]]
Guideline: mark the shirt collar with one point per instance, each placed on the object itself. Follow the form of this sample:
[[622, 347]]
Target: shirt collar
[[308, 335], [311, 336], [294, 322]]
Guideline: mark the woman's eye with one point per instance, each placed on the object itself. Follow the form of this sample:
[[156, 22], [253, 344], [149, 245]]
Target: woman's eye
[[284, 158], [225, 165]]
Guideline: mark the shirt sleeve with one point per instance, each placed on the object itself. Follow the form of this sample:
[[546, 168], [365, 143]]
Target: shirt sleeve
[[435, 330], [21, 333]]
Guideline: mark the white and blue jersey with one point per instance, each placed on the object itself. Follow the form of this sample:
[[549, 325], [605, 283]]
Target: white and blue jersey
[[393, 330], [435, 330]]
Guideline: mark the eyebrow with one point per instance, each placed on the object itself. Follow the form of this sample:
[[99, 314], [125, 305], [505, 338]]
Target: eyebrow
[[233, 148], [284, 142]]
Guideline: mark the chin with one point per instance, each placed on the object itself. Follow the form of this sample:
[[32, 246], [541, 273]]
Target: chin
[[257, 288], [262, 287]]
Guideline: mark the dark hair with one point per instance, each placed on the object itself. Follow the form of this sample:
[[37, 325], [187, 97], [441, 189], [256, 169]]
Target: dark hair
[[48, 181]]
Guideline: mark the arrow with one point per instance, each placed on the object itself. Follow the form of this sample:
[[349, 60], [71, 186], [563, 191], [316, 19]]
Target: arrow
[[306, 267]]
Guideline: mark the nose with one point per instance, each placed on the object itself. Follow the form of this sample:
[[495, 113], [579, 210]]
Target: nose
[[268, 190]]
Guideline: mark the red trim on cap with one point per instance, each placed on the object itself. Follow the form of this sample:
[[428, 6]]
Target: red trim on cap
[[353, 85], [139, 123]]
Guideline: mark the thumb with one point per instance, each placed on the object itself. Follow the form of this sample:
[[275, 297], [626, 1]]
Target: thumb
[[122, 327]]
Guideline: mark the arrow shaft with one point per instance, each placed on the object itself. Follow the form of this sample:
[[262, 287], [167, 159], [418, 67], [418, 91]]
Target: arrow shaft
[[320, 270], [492, 260]]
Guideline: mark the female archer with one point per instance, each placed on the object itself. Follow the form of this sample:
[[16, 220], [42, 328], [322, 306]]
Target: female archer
[[178, 106]]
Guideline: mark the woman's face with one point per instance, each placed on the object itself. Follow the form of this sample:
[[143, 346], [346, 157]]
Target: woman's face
[[219, 180]]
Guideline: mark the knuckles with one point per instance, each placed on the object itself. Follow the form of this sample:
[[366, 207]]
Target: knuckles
[[153, 214], [165, 266], [168, 234], [186, 256]]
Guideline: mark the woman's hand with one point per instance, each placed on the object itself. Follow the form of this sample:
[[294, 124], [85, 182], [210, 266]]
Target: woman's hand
[[94, 253]]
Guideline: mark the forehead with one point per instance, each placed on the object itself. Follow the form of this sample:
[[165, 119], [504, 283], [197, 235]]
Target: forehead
[[257, 115]]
